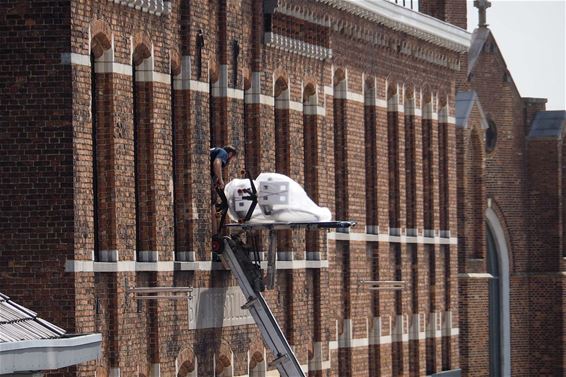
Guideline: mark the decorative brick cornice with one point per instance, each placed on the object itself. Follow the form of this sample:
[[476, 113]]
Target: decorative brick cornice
[[408, 21], [157, 7], [297, 46]]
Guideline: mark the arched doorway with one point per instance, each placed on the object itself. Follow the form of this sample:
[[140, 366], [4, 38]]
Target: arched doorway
[[499, 314]]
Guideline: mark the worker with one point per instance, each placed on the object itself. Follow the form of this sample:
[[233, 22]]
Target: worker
[[219, 158]]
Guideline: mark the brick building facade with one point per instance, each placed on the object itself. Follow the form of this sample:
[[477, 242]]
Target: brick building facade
[[109, 108]]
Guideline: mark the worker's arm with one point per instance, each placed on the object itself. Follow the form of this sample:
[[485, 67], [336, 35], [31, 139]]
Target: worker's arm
[[217, 168]]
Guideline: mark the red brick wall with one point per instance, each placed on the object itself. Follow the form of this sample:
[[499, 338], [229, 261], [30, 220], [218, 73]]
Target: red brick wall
[[350, 152], [37, 228], [452, 11]]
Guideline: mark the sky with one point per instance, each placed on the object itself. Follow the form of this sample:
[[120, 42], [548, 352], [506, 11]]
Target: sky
[[531, 34]]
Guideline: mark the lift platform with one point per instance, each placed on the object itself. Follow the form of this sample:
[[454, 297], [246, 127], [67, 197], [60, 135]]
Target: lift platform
[[235, 253]]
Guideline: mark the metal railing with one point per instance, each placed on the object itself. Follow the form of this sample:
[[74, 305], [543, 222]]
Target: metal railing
[[411, 4]]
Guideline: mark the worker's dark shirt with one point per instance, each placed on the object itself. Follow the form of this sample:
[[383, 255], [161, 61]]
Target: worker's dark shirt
[[217, 153]]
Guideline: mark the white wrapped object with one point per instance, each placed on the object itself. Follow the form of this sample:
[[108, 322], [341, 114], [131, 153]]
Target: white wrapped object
[[280, 199]]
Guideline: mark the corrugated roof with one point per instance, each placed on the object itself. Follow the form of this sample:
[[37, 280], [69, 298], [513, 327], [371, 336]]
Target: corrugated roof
[[548, 124], [18, 323]]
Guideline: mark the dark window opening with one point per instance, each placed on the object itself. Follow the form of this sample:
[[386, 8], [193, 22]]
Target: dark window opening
[[136, 157], [235, 55], [494, 307], [490, 136], [94, 110], [200, 46]]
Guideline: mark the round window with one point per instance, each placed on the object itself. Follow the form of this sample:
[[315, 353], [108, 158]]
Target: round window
[[490, 136]]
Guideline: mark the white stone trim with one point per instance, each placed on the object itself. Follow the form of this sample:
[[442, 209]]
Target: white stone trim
[[314, 110], [183, 80], [75, 59], [448, 328], [155, 7], [402, 19], [355, 97], [503, 258], [412, 109], [116, 68], [346, 340], [108, 255], [235, 93], [398, 332], [472, 275], [220, 88], [259, 99], [305, 16], [162, 266], [155, 370], [365, 237], [114, 372], [288, 44], [444, 116], [199, 86], [317, 362], [375, 332], [430, 116], [394, 104], [296, 106], [433, 325], [254, 96], [415, 332], [147, 256], [153, 76], [78, 266], [109, 66]]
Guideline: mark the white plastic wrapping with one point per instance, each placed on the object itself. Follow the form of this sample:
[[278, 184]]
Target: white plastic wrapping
[[280, 198]]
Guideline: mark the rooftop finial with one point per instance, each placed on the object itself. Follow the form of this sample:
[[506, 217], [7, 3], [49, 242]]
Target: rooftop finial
[[482, 6]]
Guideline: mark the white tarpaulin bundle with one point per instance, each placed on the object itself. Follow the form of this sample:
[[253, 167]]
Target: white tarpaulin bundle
[[280, 199]]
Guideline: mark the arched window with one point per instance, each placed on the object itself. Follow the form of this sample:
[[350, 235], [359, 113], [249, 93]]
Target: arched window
[[142, 98], [282, 129], [428, 190], [410, 163], [103, 178], [443, 166], [310, 142], [94, 97], [282, 147], [431, 347], [341, 201], [393, 140], [217, 109], [370, 136], [252, 136], [494, 308], [340, 147], [499, 312]]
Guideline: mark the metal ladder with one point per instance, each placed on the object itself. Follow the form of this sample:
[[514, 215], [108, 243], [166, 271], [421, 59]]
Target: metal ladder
[[285, 360]]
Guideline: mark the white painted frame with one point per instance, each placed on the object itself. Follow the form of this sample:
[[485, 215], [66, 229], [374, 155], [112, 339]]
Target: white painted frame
[[505, 316]]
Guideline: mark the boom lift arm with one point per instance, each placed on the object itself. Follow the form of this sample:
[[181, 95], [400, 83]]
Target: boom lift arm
[[236, 254]]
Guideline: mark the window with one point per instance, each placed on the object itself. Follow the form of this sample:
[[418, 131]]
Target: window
[[490, 136]]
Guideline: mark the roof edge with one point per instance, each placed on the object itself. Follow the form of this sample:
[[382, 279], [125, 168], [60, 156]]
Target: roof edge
[[414, 23], [45, 354]]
